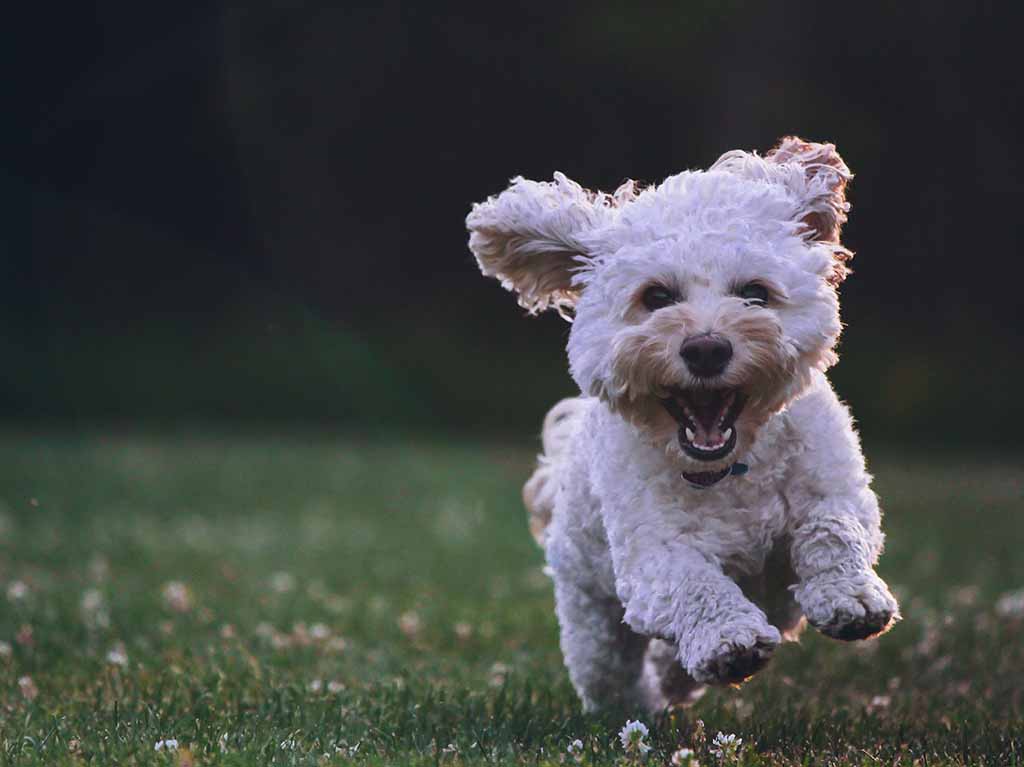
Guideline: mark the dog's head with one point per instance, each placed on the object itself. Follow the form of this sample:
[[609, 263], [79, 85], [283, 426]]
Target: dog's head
[[702, 305]]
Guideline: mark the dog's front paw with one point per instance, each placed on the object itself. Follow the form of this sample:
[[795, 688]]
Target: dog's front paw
[[848, 606], [737, 658]]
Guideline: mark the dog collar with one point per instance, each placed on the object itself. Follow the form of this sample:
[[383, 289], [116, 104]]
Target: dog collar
[[702, 480]]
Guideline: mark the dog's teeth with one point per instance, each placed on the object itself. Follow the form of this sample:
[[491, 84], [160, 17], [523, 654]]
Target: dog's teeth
[[727, 433], [709, 448], [689, 434]]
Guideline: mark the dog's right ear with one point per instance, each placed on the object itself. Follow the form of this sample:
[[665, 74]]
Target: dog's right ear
[[531, 237], [823, 187]]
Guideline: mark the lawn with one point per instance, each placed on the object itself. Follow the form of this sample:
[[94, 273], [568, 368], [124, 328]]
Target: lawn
[[327, 601]]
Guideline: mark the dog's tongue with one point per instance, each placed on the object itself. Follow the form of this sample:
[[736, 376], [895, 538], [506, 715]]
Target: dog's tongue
[[706, 409]]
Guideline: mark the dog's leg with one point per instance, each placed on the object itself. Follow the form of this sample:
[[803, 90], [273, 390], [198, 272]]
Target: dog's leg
[[604, 657], [673, 591], [835, 525], [665, 681], [838, 589]]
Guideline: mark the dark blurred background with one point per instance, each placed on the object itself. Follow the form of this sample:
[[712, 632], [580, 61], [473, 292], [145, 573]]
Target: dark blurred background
[[254, 214]]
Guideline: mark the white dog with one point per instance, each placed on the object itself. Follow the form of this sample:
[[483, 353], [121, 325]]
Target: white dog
[[709, 491]]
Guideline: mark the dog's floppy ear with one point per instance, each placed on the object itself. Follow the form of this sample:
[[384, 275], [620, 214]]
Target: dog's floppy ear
[[530, 238], [823, 190]]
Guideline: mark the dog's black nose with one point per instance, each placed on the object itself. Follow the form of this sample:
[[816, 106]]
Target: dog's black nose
[[706, 356]]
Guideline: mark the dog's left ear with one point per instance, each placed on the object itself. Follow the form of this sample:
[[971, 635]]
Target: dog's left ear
[[531, 237], [823, 191]]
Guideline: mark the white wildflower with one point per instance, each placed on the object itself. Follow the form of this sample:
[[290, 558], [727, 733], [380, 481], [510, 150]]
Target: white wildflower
[[92, 600], [410, 624], [633, 737], [94, 610], [117, 656], [17, 591], [335, 687], [879, 702], [282, 582], [684, 757], [344, 748], [319, 632], [166, 745], [1009, 605], [575, 749], [176, 597], [5, 649], [726, 747], [316, 685], [28, 688]]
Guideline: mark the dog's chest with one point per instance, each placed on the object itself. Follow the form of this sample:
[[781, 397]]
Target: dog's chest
[[648, 503], [740, 519], [738, 524]]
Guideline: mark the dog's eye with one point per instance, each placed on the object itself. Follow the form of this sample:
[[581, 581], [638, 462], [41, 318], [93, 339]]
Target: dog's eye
[[754, 293], [658, 297]]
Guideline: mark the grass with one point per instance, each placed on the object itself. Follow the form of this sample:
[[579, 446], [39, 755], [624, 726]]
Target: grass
[[319, 601]]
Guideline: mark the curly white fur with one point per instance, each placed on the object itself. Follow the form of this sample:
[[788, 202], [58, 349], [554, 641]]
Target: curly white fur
[[662, 586]]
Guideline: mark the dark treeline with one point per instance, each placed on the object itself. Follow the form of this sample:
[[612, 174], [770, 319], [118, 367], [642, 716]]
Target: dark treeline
[[174, 169]]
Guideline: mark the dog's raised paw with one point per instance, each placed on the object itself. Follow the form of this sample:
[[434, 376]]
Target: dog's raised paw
[[849, 608], [849, 627], [734, 663]]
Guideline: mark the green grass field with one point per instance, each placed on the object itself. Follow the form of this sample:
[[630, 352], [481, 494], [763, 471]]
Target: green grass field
[[318, 601]]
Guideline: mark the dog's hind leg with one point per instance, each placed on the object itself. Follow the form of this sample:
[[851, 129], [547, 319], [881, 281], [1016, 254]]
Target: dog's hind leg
[[770, 590], [603, 655], [665, 682]]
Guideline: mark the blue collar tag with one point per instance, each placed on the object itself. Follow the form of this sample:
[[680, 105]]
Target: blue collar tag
[[739, 469]]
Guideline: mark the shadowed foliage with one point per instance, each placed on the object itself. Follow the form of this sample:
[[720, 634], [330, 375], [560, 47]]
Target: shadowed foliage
[[189, 180]]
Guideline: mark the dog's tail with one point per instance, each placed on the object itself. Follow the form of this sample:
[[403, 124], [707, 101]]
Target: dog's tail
[[540, 490]]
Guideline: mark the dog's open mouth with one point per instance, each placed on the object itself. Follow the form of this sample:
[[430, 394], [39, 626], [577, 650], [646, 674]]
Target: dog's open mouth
[[707, 419]]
